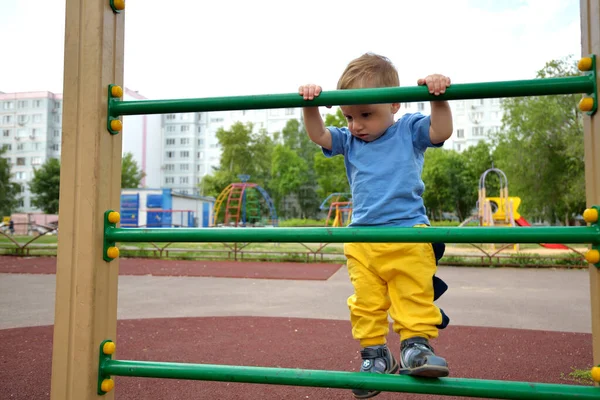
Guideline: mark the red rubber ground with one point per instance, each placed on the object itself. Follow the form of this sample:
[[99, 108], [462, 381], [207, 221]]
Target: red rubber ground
[[217, 269], [485, 353]]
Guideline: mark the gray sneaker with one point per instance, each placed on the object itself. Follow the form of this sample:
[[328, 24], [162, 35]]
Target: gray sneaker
[[418, 359], [377, 360]]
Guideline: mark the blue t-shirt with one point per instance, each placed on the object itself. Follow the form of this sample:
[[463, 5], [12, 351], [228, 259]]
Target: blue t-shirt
[[385, 174]]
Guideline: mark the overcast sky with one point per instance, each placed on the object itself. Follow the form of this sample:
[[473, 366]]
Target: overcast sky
[[195, 48]]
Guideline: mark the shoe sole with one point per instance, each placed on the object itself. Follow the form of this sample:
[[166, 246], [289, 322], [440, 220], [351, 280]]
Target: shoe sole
[[427, 371], [394, 370]]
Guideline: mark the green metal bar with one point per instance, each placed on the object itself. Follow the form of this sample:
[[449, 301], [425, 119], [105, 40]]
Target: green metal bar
[[349, 380], [584, 234], [532, 87]]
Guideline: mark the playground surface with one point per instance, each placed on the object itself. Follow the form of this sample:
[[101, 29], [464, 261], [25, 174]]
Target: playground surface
[[507, 324]]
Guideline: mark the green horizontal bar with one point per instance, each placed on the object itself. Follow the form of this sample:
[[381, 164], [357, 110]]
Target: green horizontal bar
[[584, 234], [350, 380], [532, 87]]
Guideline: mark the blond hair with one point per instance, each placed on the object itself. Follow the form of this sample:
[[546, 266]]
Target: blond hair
[[369, 71]]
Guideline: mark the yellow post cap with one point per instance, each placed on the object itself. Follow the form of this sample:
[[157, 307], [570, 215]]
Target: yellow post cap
[[107, 385], [596, 374], [119, 4], [116, 125], [116, 91], [590, 215], [114, 217], [593, 256], [586, 104], [109, 348], [585, 64], [112, 252]]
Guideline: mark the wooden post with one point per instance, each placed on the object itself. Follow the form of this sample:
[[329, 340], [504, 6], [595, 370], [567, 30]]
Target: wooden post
[[86, 286], [590, 44]]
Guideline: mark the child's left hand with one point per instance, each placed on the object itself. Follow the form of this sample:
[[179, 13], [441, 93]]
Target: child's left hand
[[436, 83]]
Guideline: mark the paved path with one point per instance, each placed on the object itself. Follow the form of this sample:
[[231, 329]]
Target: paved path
[[544, 299]]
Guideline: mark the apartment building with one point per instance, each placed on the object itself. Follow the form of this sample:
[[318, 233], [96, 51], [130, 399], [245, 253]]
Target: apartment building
[[30, 129], [474, 120]]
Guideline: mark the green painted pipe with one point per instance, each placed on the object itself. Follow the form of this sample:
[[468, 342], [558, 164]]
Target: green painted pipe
[[584, 234], [349, 380], [532, 87]]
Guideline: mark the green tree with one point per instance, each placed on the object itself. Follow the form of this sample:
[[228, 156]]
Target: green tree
[[478, 159], [541, 150], [45, 186], [449, 185], [9, 191], [303, 193], [243, 152], [331, 172], [131, 175], [289, 173]]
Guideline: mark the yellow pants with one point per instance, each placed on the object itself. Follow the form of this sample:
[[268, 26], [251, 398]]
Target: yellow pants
[[394, 278]]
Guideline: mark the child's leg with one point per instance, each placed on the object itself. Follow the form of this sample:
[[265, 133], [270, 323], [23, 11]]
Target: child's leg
[[369, 315], [409, 269], [370, 302]]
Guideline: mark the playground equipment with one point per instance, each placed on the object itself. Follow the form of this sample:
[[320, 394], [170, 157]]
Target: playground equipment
[[243, 204], [87, 277], [502, 210], [341, 210]]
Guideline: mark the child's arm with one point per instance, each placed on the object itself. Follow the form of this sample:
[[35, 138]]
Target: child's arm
[[441, 115], [312, 118]]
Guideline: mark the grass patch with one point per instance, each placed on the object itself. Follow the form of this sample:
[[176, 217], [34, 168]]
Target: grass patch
[[582, 376]]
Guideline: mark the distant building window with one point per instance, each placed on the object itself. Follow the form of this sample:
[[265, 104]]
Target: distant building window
[[185, 128], [216, 120], [478, 131], [184, 154], [420, 106], [7, 119], [170, 142], [171, 116], [183, 179], [171, 128], [169, 167], [8, 105], [37, 103], [6, 132], [22, 104], [460, 133], [36, 160], [170, 180], [37, 118], [184, 141], [170, 154], [20, 160], [184, 167]]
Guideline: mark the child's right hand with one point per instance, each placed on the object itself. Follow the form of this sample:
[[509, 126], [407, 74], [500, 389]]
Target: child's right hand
[[309, 91]]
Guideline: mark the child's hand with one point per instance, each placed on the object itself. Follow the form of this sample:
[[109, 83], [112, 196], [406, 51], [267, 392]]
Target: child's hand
[[309, 91], [436, 83]]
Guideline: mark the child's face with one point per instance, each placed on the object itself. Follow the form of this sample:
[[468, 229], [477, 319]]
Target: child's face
[[369, 121]]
